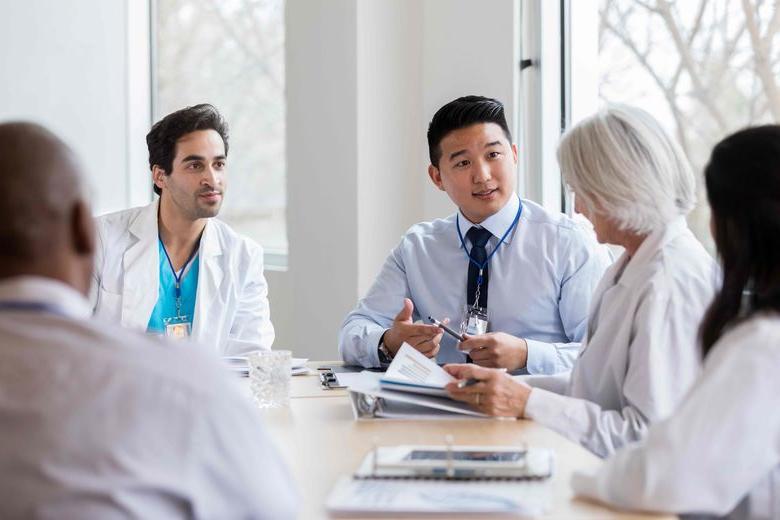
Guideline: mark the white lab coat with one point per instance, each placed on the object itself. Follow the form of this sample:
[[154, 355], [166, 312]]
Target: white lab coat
[[97, 421], [232, 313], [639, 357], [719, 454]]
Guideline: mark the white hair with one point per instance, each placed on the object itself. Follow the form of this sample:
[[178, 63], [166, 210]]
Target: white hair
[[622, 164]]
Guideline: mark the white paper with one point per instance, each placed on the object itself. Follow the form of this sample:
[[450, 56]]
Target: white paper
[[389, 497], [240, 365], [411, 366], [349, 379]]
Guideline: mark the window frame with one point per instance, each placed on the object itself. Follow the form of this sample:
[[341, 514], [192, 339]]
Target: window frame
[[272, 260]]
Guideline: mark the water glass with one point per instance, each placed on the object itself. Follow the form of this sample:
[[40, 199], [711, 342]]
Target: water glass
[[270, 372]]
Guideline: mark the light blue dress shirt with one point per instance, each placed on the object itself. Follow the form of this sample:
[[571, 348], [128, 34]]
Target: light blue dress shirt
[[541, 282], [166, 300]]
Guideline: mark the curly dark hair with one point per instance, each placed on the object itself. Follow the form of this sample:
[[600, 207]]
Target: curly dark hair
[[161, 139]]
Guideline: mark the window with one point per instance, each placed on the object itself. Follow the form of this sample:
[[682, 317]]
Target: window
[[704, 68], [230, 53]]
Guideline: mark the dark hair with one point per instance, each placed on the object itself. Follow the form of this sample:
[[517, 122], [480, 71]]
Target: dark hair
[[464, 111], [161, 139], [743, 187]]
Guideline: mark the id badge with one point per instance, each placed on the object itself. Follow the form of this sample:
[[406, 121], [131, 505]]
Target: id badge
[[475, 321], [179, 327]]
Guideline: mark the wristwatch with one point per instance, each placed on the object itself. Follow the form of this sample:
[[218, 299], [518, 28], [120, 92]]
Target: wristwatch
[[385, 356]]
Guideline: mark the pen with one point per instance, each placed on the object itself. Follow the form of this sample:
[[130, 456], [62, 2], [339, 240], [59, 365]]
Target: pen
[[463, 383], [446, 329]]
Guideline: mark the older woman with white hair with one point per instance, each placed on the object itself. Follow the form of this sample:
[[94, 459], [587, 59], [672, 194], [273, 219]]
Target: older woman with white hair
[[632, 182]]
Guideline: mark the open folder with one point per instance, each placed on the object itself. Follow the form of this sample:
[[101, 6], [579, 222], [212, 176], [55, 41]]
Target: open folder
[[412, 388]]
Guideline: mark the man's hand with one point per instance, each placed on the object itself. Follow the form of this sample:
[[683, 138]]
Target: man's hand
[[496, 350], [424, 338], [495, 394]]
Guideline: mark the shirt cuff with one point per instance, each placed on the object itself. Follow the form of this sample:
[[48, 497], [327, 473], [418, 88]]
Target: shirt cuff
[[585, 484], [542, 357], [372, 344], [542, 406]]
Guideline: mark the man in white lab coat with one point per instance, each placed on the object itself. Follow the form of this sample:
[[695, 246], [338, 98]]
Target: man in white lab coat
[[172, 268], [97, 421]]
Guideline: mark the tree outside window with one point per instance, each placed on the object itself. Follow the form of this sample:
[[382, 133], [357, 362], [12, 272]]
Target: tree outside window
[[705, 68], [230, 53]]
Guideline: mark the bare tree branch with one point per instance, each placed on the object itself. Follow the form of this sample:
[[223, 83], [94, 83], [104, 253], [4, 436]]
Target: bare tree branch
[[700, 91], [761, 60], [668, 93]]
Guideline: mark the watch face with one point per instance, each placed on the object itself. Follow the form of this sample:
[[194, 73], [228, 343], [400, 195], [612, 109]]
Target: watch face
[[384, 354]]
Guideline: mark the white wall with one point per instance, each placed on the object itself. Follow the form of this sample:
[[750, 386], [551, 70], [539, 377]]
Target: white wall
[[322, 162], [469, 48], [66, 66], [391, 129]]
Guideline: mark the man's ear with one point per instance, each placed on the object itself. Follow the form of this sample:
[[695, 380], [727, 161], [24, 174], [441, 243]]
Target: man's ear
[[435, 175], [158, 176], [514, 152], [83, 229]]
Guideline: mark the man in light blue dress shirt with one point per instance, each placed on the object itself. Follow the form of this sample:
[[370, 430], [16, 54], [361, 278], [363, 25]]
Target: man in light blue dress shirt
[[542, 266]]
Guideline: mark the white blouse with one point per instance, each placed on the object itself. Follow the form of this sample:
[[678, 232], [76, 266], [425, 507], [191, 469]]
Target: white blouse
[[639, 358], [720, 452]]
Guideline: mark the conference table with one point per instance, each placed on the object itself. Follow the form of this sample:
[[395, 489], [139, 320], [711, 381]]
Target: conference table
[[320, 440]]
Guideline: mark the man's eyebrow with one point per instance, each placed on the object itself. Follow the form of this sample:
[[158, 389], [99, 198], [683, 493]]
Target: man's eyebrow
[[201, 158], [494, 143], [455, 154]]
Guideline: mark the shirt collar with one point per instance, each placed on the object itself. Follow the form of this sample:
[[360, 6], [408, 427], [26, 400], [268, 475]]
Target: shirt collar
[[654, 242], [37, 289], [497, 223]]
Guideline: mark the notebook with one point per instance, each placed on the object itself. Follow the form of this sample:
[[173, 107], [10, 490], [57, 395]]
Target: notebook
[[372, 491]]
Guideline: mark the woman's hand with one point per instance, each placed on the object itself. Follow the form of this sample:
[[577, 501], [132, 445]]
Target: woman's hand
[[495, 393]]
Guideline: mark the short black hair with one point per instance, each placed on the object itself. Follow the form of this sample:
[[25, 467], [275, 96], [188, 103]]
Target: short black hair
[[161, 139], [460, 113]]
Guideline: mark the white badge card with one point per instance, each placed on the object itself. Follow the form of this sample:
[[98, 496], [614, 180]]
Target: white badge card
[[179, 327], [475, 321]]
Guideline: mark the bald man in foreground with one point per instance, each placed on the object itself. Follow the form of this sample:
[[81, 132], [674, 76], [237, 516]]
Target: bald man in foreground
[[97, 421]]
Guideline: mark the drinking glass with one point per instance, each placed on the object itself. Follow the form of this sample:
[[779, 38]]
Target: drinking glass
[[269, 377]]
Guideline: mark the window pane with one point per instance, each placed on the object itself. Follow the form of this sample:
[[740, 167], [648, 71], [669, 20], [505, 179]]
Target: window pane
[[705, 68], [230, 53]]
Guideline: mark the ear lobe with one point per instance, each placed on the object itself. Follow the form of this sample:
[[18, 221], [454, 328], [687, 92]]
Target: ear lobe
[[82, 229], [158, 176], [435, 175]]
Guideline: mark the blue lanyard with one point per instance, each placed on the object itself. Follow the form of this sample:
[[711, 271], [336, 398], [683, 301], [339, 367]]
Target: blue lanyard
[[178, 276], [31, 307], [481, 266]]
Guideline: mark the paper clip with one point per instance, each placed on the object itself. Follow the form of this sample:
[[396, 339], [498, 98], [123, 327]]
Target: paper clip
[[329, 381]]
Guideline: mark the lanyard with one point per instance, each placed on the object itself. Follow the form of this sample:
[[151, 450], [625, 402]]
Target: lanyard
[[178, 276], [13, 305], [481, 266]]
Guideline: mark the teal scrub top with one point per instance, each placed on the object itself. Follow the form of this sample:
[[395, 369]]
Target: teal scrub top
[[166, 297]]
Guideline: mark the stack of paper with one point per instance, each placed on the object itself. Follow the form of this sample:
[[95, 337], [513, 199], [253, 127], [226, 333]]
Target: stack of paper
[[240, 366]]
